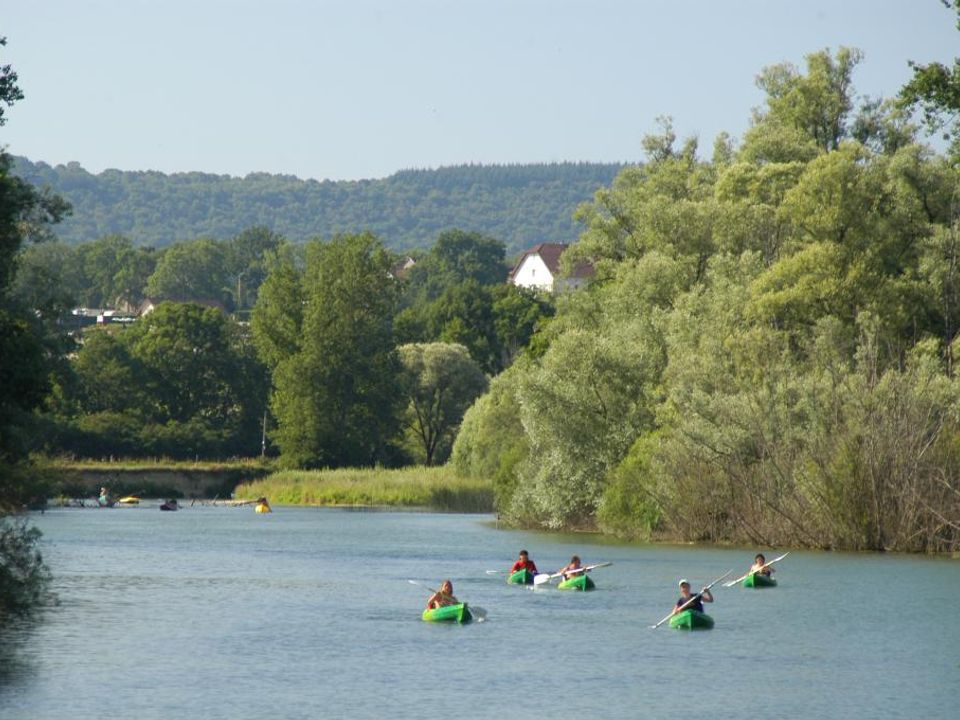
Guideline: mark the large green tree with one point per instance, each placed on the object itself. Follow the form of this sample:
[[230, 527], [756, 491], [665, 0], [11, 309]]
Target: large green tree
[[25, 364], [441, 381], [192, 270], [335, 393]]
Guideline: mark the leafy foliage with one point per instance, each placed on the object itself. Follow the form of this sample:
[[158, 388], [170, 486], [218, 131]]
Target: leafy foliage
[[24, 578], [525, 204], [441, 380], [181, 382], [766, 354], [334, 361]]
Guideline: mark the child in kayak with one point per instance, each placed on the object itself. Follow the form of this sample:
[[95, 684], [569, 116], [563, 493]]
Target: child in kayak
[[758, 566], [685, 597], [524, 563], [572, 569], [443, 597]]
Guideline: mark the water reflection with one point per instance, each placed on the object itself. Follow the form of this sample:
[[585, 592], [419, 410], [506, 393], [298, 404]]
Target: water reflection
[[16, 663]]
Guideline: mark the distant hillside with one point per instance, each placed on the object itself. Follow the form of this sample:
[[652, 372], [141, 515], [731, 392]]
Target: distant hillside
[[519, 204]]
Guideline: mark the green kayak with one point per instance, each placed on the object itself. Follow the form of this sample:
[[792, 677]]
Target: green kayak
[[577, 582], [756, 580], [449, 613], [691, 620], [521, 577]]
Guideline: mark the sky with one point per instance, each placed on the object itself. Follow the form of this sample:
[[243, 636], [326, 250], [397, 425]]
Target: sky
[[353, 89]]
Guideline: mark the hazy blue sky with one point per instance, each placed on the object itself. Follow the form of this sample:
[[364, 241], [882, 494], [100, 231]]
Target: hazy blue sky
[[353, 89]]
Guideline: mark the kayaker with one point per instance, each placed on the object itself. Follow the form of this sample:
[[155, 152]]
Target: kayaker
[[758, 566], [262, 506], [704, 596], [443, 597], [572, 569], [524, 563], [105, 499]]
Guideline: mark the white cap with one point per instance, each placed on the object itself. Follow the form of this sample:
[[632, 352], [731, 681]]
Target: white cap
[[683, 581]]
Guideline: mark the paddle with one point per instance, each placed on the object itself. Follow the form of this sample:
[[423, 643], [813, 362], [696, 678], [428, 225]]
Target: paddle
[[496, 572], [691, 600], [541, 578], [478, 612], [744, 577]]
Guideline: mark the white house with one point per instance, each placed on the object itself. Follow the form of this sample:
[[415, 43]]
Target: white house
[[539, 268]]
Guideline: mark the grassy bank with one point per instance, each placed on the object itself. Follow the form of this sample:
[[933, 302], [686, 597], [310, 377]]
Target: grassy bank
[[160, 477], [438, 488]]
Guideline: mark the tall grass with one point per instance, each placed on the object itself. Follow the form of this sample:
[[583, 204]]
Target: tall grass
[[435, 487]]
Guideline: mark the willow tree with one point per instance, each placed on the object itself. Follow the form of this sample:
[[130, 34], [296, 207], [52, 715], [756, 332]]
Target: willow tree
[[441, 381]]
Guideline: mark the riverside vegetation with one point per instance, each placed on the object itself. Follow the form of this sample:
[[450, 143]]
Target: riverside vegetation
[[768, 353], [434, 487]]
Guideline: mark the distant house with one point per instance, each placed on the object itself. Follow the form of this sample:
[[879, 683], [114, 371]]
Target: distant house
[[539, 269], [82, 317], [402, 269], [150, 304]]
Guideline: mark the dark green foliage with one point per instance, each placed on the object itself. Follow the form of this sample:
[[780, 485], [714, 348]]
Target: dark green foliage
[[335, 366], [524, 204], [181, 382], [24, 579], [25, 362]]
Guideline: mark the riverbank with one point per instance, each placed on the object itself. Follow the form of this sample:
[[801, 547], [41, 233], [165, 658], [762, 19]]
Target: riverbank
[[152, 478], [437, 488]]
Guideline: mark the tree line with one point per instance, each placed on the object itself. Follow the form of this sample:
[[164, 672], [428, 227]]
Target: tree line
[[338, 352], [521, 204]]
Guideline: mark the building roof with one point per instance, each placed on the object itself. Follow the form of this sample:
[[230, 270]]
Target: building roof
[[550, 254]]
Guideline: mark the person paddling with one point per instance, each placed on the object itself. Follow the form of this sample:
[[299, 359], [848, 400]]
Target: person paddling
[[758, 566], [572, 569], [695, 601], [443, 597], [524, 563], [105, 499]]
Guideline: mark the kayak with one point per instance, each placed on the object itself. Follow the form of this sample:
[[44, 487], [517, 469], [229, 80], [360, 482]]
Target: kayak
[[262, 508], [172, 506], [756, 580], [521, 577], [577, 582], [691, 620], [129, 500], [449, 613]]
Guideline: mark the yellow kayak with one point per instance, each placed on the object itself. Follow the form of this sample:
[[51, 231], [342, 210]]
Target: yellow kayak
[[129, 500]]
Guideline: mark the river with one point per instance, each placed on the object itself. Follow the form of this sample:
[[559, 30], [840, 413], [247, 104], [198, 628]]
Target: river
[[217, 612]]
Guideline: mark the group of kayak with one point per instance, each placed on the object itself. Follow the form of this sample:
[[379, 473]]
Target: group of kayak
[[687, 613], [106, 499]]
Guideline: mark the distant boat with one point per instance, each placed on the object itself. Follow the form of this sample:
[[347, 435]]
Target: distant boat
[[129, 500], [171, 504]]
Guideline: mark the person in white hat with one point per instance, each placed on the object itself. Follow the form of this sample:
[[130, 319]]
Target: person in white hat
[[695, 601]]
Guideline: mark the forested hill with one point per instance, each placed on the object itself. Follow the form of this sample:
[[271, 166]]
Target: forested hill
[[519, 204]]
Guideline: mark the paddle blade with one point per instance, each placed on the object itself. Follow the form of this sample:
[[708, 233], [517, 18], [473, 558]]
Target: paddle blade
[[479, 613], [541, 578]]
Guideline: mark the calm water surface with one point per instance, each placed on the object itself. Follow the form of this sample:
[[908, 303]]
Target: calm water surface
[[216, 612]]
